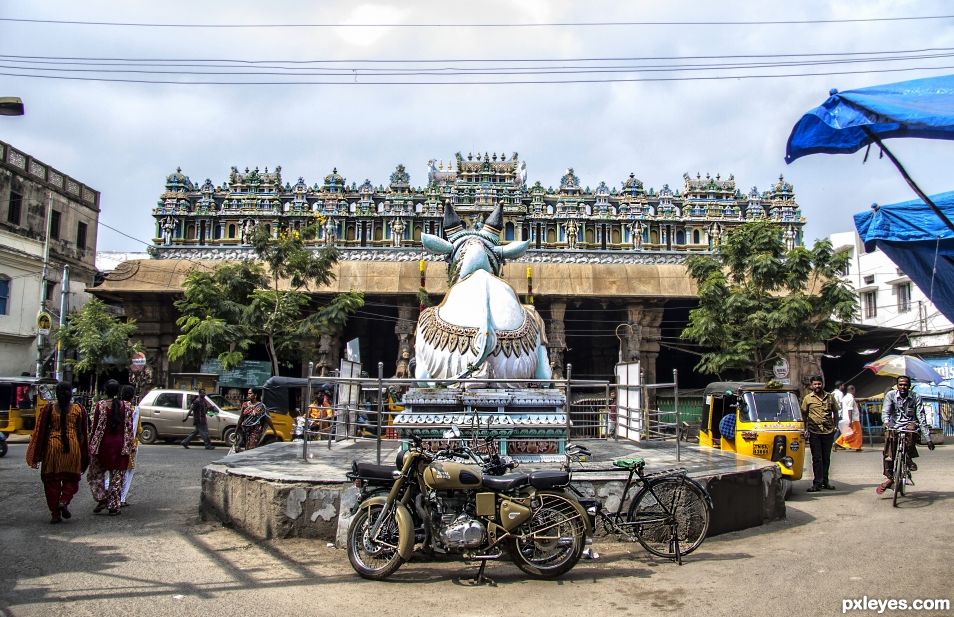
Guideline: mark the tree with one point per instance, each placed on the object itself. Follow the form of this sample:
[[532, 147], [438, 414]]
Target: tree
[[236, 305], [756, 297], [97, 335]]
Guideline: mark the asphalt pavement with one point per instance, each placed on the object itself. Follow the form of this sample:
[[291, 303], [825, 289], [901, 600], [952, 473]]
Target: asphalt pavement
[[159, 558]]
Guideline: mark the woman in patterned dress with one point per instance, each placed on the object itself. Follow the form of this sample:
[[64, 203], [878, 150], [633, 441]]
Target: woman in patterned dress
[[59, 444], [252, 424], [110, 443]]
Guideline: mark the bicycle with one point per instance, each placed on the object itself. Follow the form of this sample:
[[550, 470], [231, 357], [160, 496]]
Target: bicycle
[[669, 516], [903, 440]]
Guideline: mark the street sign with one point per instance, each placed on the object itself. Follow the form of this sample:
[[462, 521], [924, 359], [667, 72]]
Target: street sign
[[781, 369], [137, 362], [43, 323]]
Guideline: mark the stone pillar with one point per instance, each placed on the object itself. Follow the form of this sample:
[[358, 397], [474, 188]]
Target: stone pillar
[[804, 361], [642, 339], [329, 354], [405, 329], [556, 336]]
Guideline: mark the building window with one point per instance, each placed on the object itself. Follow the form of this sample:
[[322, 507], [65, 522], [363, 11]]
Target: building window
[[13, 210], [54, 225], [4, 295], [903, 293], [870, 301], [81, 235], [869, 279], [50, 290]]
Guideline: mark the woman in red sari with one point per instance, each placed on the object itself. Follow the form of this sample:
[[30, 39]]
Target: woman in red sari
[[59, 443], [111, 440]]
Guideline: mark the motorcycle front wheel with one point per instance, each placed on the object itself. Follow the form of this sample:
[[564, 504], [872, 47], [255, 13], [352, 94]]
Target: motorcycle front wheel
[[551, 541], [373, 558]]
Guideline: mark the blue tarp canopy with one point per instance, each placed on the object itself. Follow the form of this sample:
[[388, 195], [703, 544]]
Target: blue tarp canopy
[[848, 120], [915, 239]]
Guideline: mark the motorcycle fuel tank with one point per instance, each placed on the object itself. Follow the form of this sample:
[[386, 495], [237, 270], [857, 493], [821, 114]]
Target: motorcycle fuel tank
[[445, 475]]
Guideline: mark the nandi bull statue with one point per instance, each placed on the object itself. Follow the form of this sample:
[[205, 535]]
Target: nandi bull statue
[[480, 329]]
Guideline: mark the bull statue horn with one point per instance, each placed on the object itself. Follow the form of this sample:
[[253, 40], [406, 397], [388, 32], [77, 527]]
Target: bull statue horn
[[494, 224], [452, 224]]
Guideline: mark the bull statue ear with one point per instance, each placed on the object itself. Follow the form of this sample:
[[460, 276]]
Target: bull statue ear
[[436, 244], [513, 250]]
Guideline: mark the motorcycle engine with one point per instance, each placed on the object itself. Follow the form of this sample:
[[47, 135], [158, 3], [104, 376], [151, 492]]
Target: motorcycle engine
[[461, 531]]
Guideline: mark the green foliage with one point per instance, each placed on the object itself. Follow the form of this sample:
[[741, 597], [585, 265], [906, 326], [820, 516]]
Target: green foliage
[[423, 299], [226, 311], [755, 297], [96, 335]]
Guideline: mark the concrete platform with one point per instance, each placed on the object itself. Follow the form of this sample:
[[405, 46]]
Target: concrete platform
[[273, 492]]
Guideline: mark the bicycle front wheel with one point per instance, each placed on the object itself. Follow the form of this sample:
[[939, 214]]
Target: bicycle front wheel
[[670, 509], [900, 474]]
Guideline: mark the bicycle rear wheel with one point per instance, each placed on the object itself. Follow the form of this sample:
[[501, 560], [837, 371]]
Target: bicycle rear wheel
[[667, 509]]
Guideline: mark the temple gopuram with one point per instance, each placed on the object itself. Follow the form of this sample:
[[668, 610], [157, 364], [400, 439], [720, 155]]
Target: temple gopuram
[[599, 257]]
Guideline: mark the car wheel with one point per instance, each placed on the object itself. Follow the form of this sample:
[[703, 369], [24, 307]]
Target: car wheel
[[229, 436], [149, 434]]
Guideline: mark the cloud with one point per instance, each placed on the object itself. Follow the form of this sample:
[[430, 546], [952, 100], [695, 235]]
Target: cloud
[[123, 139]]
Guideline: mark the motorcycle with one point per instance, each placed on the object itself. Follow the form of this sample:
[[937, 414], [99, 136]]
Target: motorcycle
[[449, 503]]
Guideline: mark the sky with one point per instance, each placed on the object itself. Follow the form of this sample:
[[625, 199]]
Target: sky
[[123, 138]]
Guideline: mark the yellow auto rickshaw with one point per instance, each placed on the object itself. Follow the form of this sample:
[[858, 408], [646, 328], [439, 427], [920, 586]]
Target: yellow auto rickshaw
[[756, 419], [20, 399]]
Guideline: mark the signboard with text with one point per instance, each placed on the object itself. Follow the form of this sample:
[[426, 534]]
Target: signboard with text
[[249, 373]]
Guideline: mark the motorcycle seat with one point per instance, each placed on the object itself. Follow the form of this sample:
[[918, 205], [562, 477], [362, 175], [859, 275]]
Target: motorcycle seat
[[549, 478], [370, 471], [507, 482], [537, 479]]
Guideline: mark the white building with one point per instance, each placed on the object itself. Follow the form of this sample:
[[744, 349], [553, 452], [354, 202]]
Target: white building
[[888, 298], [40, 205]]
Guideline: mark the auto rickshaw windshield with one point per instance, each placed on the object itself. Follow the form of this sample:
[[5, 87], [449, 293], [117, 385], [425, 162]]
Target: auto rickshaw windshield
[[781, 406]]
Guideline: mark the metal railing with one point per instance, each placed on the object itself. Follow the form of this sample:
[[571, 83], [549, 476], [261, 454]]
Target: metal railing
[[365, 408]]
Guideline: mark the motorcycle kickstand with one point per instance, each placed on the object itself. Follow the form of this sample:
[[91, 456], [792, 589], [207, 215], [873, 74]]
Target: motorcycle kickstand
[[479, 578]]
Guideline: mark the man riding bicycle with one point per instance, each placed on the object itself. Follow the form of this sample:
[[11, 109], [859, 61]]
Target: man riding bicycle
[[902, 409]]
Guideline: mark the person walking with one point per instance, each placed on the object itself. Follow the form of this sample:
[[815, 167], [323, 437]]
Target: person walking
[[819, 410], [252, 424], [128, 393], [199, 410], [59, 445], [851, 437], [111, 440]]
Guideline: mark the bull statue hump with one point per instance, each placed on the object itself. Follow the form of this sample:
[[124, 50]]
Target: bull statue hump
[[480, 329]]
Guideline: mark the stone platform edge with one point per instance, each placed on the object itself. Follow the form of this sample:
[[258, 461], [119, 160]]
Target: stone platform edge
[[266, 508]]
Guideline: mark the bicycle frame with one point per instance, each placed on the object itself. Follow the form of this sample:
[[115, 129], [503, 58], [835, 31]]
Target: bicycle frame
[[632, 527], [901, 470]]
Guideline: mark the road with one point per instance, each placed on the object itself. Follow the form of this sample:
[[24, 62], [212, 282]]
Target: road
[[159, 558]]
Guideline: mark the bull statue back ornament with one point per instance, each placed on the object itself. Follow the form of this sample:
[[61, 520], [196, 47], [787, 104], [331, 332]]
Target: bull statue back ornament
[[480, 329]]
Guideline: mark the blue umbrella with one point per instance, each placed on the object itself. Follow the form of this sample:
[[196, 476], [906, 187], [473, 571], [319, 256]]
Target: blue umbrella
[[851, 120], [917, 242]]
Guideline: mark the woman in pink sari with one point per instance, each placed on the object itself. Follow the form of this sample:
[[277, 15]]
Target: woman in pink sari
[[111, 440]]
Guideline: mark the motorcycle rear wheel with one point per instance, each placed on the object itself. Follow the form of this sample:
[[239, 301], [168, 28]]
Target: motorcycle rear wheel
[[551, 542], [372, 559]]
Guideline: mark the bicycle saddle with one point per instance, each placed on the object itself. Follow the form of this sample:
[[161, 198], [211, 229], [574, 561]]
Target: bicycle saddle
[[628, 463]]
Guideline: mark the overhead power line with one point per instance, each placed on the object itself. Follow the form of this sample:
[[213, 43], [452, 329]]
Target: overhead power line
[[277, 69], [94, 59], [354, 79], [510, 25]]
